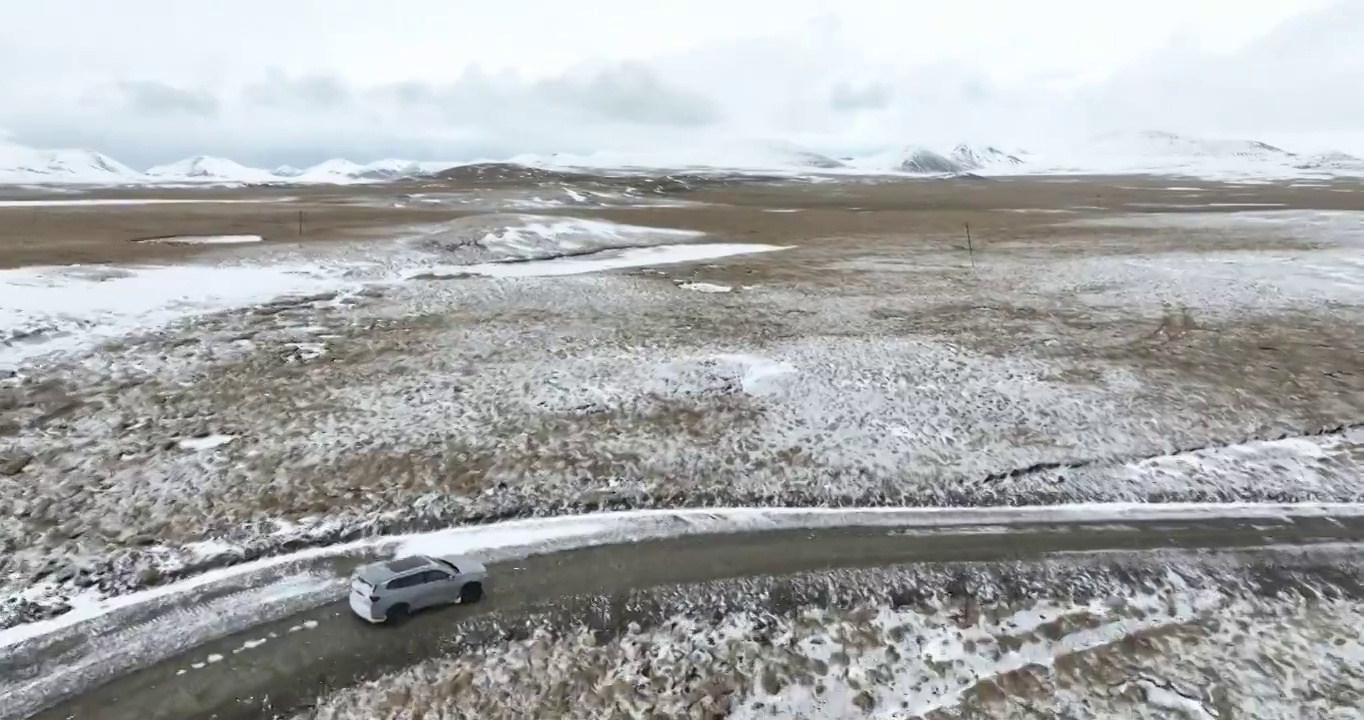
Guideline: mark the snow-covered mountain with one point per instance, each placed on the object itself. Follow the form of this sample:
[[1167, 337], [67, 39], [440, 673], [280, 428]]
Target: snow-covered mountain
[[988, 157], [1159, 144], [922, 161], [20, 164], [1146, 152], [715, 154], [959, 159], [1333, 162], [1159, 152], [340, 170], [205, 168], [334, 169], [389, 168]]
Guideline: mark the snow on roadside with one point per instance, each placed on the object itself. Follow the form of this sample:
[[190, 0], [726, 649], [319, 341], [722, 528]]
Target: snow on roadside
[[520, 537], [65, 670]]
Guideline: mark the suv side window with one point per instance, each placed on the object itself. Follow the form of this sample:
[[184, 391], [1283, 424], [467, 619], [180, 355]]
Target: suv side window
[[431, 576], [405, 582]]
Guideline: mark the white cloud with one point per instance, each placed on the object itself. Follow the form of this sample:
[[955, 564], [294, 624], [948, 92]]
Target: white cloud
[[296, 82], [1303, 77]]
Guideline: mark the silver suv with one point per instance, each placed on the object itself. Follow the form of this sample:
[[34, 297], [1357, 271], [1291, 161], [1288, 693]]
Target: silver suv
[[390, 591]]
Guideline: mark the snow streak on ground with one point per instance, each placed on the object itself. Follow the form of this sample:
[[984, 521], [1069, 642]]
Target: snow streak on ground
[[206, 239], [1161, 637], [605, 260]]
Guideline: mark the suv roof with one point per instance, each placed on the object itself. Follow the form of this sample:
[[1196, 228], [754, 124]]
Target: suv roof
[[381, 572], [402, 565]]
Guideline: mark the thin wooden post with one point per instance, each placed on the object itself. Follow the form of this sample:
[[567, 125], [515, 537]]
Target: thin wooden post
[[970, 249]]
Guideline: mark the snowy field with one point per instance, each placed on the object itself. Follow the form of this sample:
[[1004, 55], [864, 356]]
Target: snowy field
[[155, 420], [1162, 636]]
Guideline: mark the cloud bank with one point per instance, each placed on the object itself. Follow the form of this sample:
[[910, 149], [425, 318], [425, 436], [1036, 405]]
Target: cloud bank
[[819, 84]]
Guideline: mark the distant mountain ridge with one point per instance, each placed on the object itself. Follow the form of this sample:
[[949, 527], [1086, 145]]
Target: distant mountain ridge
[[63, 165], [1143, 152], [204, 167]]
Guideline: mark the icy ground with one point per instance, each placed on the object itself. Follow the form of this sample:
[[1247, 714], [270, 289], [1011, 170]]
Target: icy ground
[[1165, 636], [1101, 363]]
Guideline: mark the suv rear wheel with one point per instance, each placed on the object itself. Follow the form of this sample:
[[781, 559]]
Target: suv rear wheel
[[397, 614]]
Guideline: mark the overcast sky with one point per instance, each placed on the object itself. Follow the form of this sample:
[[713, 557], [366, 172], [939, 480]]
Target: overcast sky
[[271, 82]]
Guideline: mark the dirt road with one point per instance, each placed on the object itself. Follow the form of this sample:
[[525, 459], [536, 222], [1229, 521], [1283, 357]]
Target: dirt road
[[310, 653]]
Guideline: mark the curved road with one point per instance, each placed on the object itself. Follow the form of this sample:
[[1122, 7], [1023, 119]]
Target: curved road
[[325, 648]]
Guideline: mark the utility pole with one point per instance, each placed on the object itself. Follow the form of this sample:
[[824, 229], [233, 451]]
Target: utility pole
[[969, 248]]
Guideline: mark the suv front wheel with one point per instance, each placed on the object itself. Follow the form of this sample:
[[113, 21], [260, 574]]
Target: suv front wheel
[[470, 593]]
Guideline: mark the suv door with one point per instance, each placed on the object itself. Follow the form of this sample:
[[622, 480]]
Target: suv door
[[439, 587], [421, 590], [405, 590]]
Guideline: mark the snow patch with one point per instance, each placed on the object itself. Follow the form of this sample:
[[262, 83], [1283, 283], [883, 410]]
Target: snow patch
[[251, 645], [705, 287], [208, 442], [516, 238], [60, 309]]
